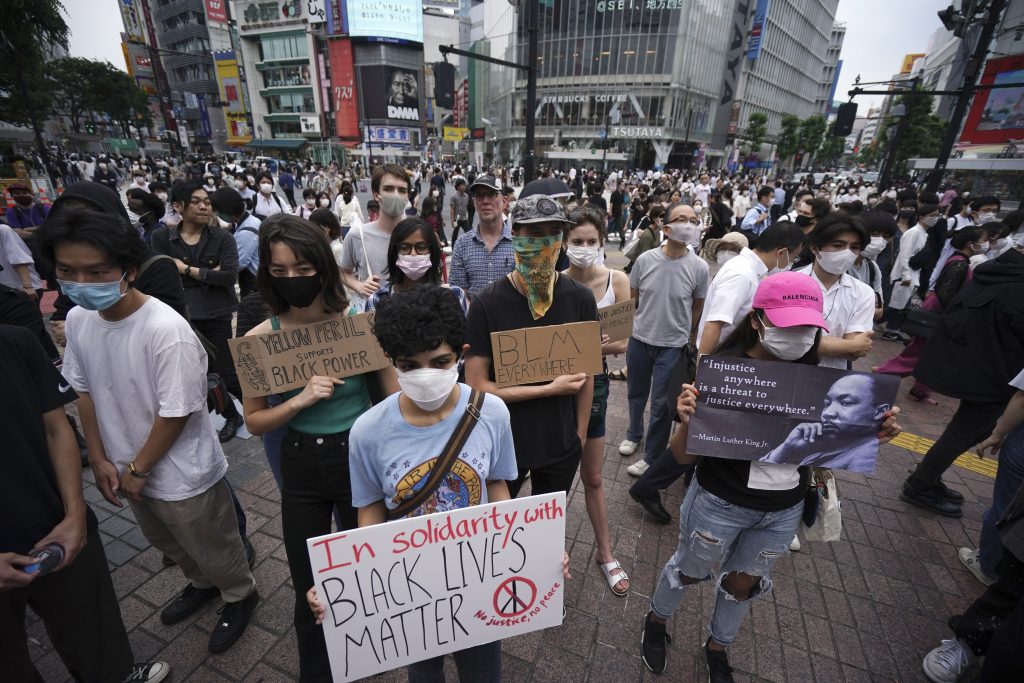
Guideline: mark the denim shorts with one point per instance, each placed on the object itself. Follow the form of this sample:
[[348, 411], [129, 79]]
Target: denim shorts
[[598, 409]]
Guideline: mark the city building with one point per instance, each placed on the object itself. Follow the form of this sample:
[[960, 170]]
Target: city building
[[830, 70]]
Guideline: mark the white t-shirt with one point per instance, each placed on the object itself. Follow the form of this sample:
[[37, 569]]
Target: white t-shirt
[[149, 364], [849, 308], [732, 292], [14, 252]]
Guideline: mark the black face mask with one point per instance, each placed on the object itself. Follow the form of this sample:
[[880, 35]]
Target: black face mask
[[803, 221], [300, 291]]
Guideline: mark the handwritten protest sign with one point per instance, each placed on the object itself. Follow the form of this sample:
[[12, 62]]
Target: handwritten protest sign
[[286, 359], [789, 413], [540, 354], [421, 587], [617, 320]]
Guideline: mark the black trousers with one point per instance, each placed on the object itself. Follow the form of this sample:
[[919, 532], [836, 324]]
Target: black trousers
[[972, 423], [557, 476], [290, 194], [662, 473], [461, 224], [79, 609], [218, 331], [993, 624], [315, 481]]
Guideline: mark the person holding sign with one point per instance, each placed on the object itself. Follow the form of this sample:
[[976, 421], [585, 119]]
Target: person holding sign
[[740, 515], [422, 467], [298, 278], [586, 239], [549, 419]]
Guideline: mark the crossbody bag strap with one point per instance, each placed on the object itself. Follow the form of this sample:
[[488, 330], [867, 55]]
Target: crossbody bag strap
[[447, 460]]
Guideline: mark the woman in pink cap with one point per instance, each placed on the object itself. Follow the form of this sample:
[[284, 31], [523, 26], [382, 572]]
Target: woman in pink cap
[[740, 516]]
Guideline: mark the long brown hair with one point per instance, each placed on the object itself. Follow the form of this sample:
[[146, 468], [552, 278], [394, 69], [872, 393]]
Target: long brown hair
[[308, 241]]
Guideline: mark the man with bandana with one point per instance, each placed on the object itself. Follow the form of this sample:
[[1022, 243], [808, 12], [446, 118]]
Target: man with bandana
[[549, 419]]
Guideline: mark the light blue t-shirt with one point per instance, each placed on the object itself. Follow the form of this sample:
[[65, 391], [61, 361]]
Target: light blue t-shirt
[[387, 468]]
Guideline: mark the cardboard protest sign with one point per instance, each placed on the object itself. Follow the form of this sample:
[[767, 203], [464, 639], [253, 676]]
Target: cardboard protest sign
[[540, 354], [421, 587], [789, 413], [286, 359], [617, 320]]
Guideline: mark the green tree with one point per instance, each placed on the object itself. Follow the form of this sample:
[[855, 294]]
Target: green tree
[[920, 134], [115, 93], [757, 131], [832, 149], [788, 142], [29, 31], [812, 132], [70, 98]]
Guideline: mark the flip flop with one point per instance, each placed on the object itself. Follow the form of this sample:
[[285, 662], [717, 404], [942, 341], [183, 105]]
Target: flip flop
[[922, 398], [618, 374], [613, 580]]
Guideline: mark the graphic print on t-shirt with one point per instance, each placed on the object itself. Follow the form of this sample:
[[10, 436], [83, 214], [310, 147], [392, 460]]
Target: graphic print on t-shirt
[[460, 488]]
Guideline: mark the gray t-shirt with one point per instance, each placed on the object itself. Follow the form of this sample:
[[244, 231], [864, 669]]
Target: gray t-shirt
[[668, 288], [460, 202], [353, 258]]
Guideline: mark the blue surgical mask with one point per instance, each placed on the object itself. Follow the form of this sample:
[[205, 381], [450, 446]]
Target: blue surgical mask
[[93, 296]]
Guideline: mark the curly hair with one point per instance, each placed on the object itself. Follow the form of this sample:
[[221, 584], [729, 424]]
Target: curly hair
[[419, 319], [109, 233]]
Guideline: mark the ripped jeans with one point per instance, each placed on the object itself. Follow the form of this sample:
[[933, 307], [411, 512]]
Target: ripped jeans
[[714, 532]]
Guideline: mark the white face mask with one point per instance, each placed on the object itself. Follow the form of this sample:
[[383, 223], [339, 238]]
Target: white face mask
[[239, 184], [788, 343], [930, 221], [874, 248], [724, 256], [836, 262], [583, 257], [266, 188], [162, 196], [998, 245], [428, 388], [325, 203], [686, 233], [985, 217], [133, 217], [311, 202], [779, 268]]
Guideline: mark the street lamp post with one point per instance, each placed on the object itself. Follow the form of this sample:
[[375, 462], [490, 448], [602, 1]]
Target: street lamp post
[[898, 111], [259, 133]]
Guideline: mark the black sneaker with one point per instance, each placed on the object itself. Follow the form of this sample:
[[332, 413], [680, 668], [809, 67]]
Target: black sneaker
[[653, 507], [167, 561], [234, 617], [951, 495], [231, 426], [149, 672], [187, 603], [930, 498], [719, 670], [652, 645]]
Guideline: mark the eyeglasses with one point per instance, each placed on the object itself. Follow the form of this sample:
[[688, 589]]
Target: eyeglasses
[[681, 221], [422, 248]]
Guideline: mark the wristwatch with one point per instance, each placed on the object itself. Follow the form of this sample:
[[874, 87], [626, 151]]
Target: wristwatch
[[136, 473]]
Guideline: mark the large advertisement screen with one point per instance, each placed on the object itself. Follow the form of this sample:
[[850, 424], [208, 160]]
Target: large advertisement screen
[[390, 94], [229, 86], [395, 19], [343, 89], [997, 114]]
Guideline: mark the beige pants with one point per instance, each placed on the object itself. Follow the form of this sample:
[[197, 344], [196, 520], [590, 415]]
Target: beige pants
[[201, 535]]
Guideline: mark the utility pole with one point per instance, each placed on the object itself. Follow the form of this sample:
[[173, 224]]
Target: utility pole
[[971, 71], [533, 24], [605, 142]]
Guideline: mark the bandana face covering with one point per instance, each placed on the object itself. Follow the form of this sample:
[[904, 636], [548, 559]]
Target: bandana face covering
[[535, 264]]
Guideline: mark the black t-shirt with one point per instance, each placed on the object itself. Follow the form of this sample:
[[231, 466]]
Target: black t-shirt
[[30, 502], [544, 429], [727, 479]]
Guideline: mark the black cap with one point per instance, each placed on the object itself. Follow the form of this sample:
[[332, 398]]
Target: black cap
[[488, 181]]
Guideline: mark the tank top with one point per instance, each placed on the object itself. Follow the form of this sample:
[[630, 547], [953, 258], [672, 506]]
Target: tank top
[[331, 415], [609, 294]]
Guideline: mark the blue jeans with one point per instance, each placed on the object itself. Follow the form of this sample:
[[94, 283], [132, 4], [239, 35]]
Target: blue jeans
[[1009, 477], [649, 373], [713, 531], [480, 664]]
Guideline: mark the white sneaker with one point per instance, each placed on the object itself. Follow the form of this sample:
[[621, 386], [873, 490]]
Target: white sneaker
[[628, 447], [638, 468], [945, 663], [794, 545], [970, 558]]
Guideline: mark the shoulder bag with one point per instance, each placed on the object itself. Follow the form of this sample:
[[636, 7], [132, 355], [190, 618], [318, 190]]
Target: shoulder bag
[[447, 460]]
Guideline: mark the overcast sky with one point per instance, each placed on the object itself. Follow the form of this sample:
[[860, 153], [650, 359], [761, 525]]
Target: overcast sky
[[878, 34]]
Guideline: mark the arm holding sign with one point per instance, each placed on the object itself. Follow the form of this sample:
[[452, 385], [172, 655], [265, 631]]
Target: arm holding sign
[[260, 418], [686, 405], [478, 376]]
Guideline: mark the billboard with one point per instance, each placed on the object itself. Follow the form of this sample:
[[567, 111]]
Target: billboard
[[757, 30], [396, 20], [216, 11], [908, 62], [997, 114], [343, 89], [271, 13], [390, 93], [134, 21], [229, 87]]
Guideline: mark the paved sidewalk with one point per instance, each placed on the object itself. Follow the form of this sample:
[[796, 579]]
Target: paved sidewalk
[[866, 608]]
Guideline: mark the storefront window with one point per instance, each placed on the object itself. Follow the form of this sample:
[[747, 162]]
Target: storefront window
[[291, 104], [287, 47], [287, 76]]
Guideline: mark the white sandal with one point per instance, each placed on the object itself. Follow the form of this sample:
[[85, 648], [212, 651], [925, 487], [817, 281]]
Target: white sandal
[[613, 580]]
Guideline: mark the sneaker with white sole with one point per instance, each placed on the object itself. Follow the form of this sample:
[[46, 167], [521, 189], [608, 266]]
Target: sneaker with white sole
[[148, 672], [971, 558], [628, 447], [947, 662], [794, 545], [638, 468]]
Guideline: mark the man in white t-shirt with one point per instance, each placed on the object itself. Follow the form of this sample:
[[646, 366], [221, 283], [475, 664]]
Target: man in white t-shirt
[[140, 373], [364, 259], [702, 190], [836, 242]]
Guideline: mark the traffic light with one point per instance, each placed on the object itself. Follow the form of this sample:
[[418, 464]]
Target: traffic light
[[90, 128], [844, 119], [444, 85]]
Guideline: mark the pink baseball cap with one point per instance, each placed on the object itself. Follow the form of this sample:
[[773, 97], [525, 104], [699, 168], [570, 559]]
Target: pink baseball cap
[[791, 299]]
